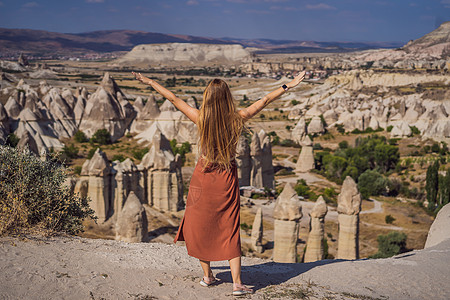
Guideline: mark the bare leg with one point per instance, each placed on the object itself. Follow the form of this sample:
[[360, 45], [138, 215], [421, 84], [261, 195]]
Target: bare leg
[[235, 267], [206, 269], [238, 287]]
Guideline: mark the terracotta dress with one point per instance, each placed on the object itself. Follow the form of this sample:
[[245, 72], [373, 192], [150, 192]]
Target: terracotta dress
[[210, 226]]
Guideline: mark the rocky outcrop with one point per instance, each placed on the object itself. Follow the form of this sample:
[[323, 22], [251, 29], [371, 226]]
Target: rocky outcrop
[[268, 175], [256, 177], [95, 183], [169, 121], [163, 182], [174, 53], [243, 161], [305, 161], [439, 230], [131, 225], [316, 126], [104, 111], [349, 206], [287, 213], [314, 246], [299, 132], [257, 232]]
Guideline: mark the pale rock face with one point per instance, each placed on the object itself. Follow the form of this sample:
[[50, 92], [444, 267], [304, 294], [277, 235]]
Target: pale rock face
[[349, 200], [314, 246], [439, 229], [27, 140], [126, 179], [316, 126], [306, 141], [243, 161], [256, 178], [349, 206], [305, 161], [162, 176], [132, 225], [12, 108], [401, 130], [285, 241], [104, 111], [185, 52], [287, 213], [257, 232], [288, 206], [299, 131]]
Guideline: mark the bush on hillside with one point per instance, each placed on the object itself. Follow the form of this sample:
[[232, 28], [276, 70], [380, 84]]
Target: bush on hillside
[[390, 244], [33, 195], [102, 137]]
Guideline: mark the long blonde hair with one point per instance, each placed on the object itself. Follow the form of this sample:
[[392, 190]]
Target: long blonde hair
[[219, 125]]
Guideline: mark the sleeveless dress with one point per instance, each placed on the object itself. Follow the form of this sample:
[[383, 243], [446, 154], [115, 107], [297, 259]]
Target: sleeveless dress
[[211, 222]]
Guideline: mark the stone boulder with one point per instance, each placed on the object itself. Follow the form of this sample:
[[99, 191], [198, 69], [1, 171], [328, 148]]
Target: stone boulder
[[440, 229], [316, 126], [257, 232], [314, 246], [132, 224]]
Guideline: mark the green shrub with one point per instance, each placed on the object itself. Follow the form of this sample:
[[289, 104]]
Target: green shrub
[[389, 219], [68, 152], [33, 196], [102, 137], [139, 153], [389, 128], [390, 244], [12, 140], [77, 170], [118, 157], [92, 152], [182, 150], [80, 137]]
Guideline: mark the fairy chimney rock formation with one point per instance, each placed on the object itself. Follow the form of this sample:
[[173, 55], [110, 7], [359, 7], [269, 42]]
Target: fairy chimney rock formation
[[316, 126], [256, 178], [314, 246], [104, 111], [287, 213], [257, 232], [268, 175], [162, 173], [132, 225], [349, 206], [99, 183], [243, 161], [299, 131], [305, 161]]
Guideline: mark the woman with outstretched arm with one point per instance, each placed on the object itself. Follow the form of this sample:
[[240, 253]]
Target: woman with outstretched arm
[[210, 226]]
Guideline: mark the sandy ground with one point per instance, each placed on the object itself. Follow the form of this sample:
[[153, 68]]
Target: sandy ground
[[79, 268]]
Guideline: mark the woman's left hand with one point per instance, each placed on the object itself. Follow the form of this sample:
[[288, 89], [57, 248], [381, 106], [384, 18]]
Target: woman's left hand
[[142, 78]]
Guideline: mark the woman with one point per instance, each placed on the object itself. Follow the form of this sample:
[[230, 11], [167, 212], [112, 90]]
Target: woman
[[210, 226]]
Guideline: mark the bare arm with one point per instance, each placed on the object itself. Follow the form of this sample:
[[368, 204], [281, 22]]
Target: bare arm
[[190, 112], [252, 110]]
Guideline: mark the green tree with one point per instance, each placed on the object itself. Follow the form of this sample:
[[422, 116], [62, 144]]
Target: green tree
[[432, 184], [386, 156], [80, 137], [102, 137], [444, 189], [372, 183]]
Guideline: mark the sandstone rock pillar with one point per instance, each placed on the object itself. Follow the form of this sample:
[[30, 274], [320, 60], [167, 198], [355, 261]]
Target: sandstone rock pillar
[[132, 224], [99, 184], [256, 179], [349, 206], [244, 161], [287, 214], [314, 246], [268, 174], [305, 161], [257, 232]]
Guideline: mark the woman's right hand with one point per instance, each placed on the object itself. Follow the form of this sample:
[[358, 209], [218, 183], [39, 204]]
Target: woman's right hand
[[299, 78]]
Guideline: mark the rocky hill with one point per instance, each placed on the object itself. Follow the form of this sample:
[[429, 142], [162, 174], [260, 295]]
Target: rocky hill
[[43, 43], [176, 53]]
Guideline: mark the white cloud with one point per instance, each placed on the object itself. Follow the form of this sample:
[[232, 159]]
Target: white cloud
[[95, 1], [446, 3], [30, 4], [320, 6], [192, 2]]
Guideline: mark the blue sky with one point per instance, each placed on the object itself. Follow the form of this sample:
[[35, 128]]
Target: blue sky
[[319, 20]]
